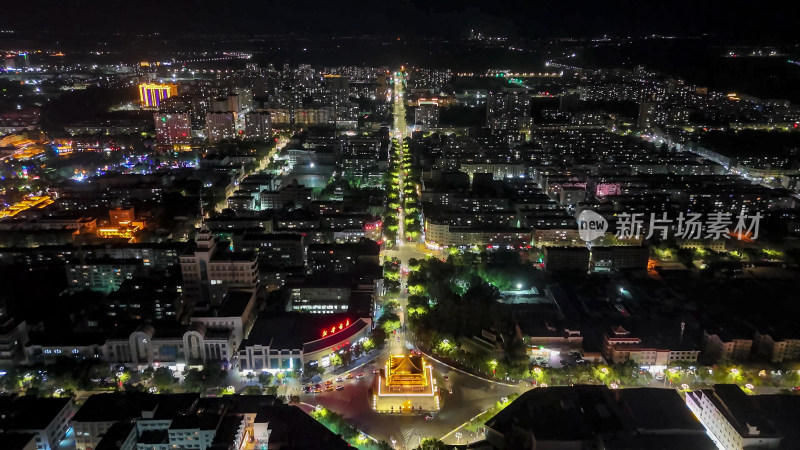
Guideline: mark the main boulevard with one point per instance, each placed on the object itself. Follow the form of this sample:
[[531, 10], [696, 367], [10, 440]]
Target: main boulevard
[[463, 395]]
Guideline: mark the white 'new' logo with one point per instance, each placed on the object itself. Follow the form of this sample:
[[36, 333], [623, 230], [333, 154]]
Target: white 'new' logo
[[591, 225]]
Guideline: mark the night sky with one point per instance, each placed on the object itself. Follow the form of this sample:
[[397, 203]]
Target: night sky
[[740, 20]]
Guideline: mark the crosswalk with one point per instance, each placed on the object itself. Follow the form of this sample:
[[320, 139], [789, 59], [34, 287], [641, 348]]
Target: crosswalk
[[411, 437]]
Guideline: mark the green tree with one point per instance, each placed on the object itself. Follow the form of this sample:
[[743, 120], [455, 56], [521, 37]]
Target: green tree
[[163, 378], [271, 390], [309, 370], [433, 444], [210, 376], [389, 322], [252, 390], [265, 378]]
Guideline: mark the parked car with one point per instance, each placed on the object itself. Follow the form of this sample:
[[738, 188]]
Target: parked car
[[339, 387]]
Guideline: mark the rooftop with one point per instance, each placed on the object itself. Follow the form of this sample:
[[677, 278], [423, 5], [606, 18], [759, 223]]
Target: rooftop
[[132, 405], [29, 413], [294, 330]]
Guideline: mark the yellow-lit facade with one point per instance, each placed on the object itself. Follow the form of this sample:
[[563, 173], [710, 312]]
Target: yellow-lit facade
[[27, 203], [406, 385], [152, 95], [29, 152], [405, 371], [124, 230]]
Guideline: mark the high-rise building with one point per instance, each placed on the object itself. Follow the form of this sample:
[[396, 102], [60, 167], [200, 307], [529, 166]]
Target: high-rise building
[[337, 88], [258, 125], [733, 419], [427, 114], [229, 103], [47, 419], [152, 95], [245, 97], [173, 128], [647, 115], [569, 102], [208, 273], [220, 125], [510, 109]]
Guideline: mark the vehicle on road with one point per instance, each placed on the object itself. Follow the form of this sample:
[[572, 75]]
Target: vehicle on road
[[339, 387], [349, 376], [429, 417], [374, 371], [329, 388], [360, 375], [339, 379], [446, 377], [328, 383], [317, 390], [317, 386]]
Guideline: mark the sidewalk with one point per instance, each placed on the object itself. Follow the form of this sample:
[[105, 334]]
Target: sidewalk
[[459, 367]]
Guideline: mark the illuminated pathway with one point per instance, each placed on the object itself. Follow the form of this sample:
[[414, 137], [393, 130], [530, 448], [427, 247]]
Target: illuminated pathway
[[470, 395]]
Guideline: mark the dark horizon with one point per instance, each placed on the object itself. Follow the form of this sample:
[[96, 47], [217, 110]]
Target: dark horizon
[[731, 21]]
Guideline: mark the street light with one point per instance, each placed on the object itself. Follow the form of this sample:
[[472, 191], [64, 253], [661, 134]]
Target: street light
[[493, 365]]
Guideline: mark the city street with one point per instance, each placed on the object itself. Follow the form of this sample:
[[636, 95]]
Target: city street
[[470, 396], [463, 395]]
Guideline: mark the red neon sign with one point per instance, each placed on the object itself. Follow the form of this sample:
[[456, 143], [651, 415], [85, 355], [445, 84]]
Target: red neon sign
[[336, 328], [373, 225]]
